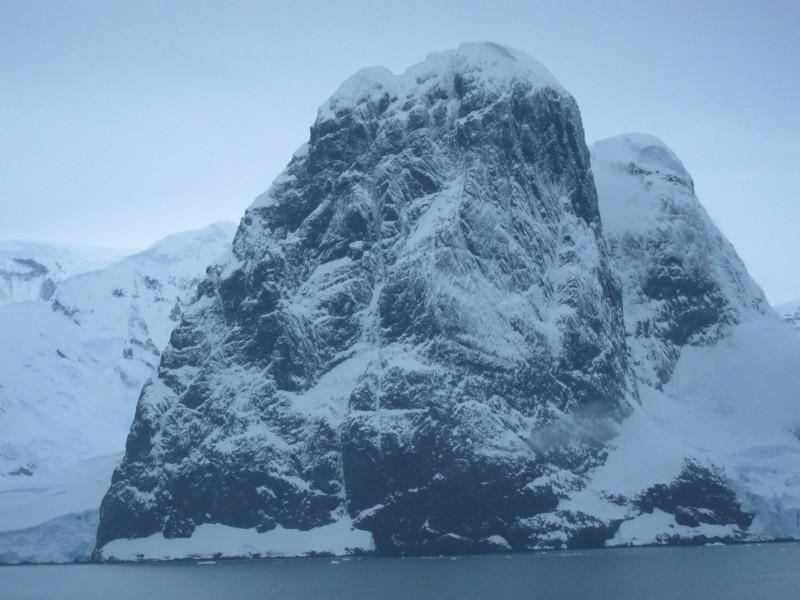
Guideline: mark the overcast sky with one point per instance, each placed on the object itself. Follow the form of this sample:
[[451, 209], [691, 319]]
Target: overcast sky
[[121, 122]]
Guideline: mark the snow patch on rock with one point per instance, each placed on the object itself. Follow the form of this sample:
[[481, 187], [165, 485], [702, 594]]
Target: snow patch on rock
[[212, 540], [660, 527]]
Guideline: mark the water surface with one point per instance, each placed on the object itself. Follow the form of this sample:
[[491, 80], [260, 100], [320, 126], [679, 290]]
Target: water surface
[[768, 571]]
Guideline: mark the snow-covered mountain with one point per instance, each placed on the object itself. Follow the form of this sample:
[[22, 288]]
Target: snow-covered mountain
[[790, 313], [31, 270], [416, 306], [416, 345], [70, 372], [445, 328]]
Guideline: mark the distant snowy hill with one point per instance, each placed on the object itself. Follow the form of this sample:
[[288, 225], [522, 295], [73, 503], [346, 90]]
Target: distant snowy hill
[[70, 372], [790, 313], [31, 270]]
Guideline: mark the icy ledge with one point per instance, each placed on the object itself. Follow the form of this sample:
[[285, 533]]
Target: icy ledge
[[659, 527], [214, 540]]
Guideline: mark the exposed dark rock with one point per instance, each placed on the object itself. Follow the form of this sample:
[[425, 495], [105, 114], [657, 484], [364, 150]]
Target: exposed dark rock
[[696, 496]]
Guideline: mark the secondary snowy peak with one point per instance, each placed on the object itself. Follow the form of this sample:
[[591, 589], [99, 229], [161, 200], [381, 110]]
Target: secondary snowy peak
[[491, 68], [720, 434], [683, 283], [70, 373], [198, 246], [31, 270], [641, 149], [414, 307]]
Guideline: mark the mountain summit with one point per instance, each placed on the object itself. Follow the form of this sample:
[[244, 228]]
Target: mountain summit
[[486, 65]]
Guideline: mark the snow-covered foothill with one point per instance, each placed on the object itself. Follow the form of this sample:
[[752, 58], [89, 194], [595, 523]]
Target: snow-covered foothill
[[71, 370]]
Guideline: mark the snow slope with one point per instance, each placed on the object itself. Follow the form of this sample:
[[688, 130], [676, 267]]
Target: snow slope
[[31, 271], [213, 540], [732, 408], [72, 368]]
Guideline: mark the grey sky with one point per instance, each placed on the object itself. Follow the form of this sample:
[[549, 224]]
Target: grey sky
[[123, 122]]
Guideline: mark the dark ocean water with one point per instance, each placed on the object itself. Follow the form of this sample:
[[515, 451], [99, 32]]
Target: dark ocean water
[[769, 571]]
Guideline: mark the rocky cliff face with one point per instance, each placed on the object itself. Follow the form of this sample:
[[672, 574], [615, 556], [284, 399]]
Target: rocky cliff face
[[28, 279], [682, 281], [417, 330]]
